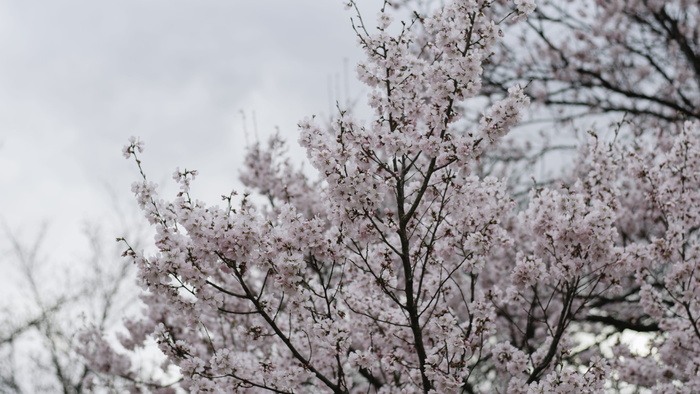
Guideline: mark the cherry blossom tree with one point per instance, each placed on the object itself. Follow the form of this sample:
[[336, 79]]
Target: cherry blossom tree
[[403, 268], [47, 302]]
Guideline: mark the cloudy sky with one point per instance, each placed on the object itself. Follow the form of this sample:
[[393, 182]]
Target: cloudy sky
[[78, 77]]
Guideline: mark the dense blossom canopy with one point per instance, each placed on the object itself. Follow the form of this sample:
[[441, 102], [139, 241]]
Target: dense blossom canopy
[[404, 269]]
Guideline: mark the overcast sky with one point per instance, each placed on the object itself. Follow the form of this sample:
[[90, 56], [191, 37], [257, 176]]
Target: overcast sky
[[78, 77]]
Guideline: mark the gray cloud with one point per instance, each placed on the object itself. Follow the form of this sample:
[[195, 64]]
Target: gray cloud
[[77, 77]]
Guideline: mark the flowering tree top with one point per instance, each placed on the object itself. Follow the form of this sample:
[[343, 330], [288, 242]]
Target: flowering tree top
[[402, 270]]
